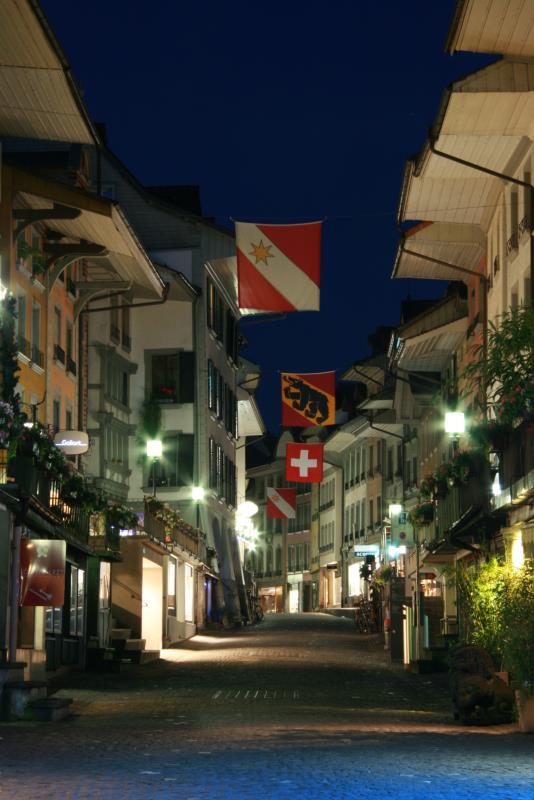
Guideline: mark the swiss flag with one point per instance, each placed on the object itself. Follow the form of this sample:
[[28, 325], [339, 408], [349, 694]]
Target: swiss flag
[[304, 462], [278, 266], [281, 503]]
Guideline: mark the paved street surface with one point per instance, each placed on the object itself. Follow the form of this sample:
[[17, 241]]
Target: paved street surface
[[300, 706]]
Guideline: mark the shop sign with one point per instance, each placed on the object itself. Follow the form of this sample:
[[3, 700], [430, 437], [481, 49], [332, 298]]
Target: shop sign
[[42, 572], [72, 443], [401, 530], [363, 550]]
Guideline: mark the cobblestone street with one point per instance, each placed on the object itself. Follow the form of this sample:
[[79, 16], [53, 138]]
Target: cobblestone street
[[299, 705]]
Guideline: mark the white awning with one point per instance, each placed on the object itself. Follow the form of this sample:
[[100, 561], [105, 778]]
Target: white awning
[[249, 419], [38, 96], [102, 223], [486, 119], [461, 246], [430, 351], [493, 26]]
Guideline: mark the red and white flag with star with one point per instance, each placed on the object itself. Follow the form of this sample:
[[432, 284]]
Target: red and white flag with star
[[278, 266], [304, 462], [281, 503]]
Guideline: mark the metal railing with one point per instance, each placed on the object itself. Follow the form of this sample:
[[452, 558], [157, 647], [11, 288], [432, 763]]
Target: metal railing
[[59, 354], [37, 356], [513, 242]]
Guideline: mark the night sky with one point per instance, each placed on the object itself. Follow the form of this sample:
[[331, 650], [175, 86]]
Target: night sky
[[281, 112]]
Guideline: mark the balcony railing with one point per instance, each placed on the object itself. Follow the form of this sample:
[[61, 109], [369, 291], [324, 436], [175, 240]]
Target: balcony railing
[[71, 366], [513, 242], [474, 494], [157, 529]]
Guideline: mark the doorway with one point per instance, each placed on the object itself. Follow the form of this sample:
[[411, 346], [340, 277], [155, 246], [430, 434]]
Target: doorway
[[152, 605]]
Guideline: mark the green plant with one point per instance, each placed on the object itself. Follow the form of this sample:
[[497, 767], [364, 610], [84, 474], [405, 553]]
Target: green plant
[[26, 251], [8, 353], [518, 627], [502, 378], [122, 517], [422, 514]]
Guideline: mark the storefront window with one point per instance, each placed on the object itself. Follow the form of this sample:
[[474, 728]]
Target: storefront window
[[76, 601], [53, 619]]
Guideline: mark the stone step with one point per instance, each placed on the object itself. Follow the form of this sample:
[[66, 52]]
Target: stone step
[[120, 633], [145, 656], [51, 709], [135, 644], [18, 695]]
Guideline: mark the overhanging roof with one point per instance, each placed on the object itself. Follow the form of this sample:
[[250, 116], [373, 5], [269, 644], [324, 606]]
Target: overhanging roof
[[370, 371], [460, 245], [430, 351], [100, 222], [493, 26], [249, 419], [38, 96], [487, 119]]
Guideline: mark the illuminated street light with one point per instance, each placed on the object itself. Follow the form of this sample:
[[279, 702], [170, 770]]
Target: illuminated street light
[[454, 422], [247, 509], [154, 449], [198, 493]]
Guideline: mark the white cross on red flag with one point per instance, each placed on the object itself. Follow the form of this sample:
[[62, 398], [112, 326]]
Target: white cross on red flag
[[304, 462], [281, 503]]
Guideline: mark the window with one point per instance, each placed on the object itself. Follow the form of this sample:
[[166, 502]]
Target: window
[[298, 557], [114, 330], [371, 513], [291, 558], [125, 321], [56, 414], [390, 464], [117, 383], [175, 467], [171, 587], [69, 347], [36, 334], [54, 619], [215, 310], [379, 508], [76, 601], [57, 327], [68, 419], [278, 559], [306, 557], [212, 382], [269, 559], [21, 323], [165, 378]]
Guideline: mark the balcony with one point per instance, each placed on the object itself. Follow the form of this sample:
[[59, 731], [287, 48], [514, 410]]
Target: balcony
[[463, 500], [516, 464], [59, 354], [192, 540], [71, 366], [114, 333]]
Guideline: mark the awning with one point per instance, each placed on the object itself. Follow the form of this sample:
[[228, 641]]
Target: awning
[[371, 373], [487, 119], [492, 26], [38, 96], [430, 351], [249, 419], [459, 245], [101, 222]]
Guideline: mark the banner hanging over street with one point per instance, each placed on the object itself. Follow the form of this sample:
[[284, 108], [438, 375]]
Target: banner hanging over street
[[308, 399], [281, 503], [304, 462], [278, 266]]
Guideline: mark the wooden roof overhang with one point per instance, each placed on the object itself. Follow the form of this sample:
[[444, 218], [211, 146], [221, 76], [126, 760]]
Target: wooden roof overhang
[[492, 26], [39, 98]]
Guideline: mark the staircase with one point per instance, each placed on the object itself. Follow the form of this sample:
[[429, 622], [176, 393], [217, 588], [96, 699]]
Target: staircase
[[130, 651]]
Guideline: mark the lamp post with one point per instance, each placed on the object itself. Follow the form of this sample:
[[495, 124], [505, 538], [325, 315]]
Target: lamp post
[[197, 493], [454, 426], [154, 449]]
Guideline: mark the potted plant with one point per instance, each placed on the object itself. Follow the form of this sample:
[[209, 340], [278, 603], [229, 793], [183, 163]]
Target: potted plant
[[422, 514]]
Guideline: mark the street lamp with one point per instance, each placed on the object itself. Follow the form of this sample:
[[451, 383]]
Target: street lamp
[[454, 426], [197, 493], [154, 449]]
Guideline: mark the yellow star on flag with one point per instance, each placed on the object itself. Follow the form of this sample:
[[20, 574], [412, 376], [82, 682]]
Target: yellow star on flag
[[261, 252]]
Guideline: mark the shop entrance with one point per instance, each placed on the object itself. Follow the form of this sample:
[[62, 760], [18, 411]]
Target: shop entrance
[[152, 605]]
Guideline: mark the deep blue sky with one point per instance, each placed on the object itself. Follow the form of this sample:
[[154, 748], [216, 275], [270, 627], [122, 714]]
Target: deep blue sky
[[280, 111]]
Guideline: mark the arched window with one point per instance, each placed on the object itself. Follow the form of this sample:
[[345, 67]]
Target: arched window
[[278, 559], [269, 565]]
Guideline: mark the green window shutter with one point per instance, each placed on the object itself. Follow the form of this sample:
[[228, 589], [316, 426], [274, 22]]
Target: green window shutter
[[186, 379]]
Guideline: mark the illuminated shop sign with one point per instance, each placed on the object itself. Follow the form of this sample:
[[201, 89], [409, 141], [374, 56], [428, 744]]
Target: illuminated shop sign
[[363, 550], [72, 443]]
